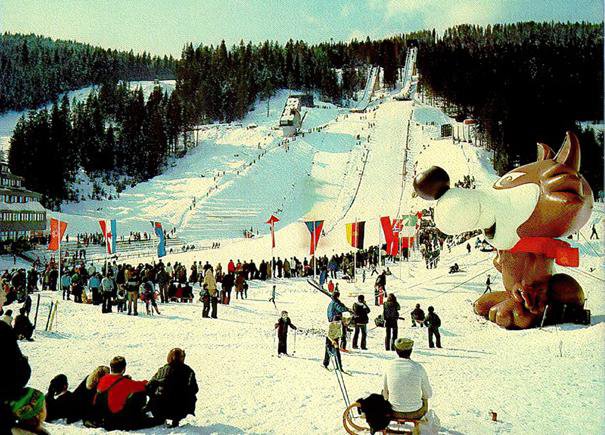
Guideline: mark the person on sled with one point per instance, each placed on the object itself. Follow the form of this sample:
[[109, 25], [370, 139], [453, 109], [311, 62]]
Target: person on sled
[[406, 384]]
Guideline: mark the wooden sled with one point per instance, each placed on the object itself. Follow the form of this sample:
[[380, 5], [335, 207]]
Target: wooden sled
[[354, 423]]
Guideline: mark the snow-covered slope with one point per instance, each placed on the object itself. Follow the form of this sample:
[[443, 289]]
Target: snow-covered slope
[[547, 380], [529, 378]]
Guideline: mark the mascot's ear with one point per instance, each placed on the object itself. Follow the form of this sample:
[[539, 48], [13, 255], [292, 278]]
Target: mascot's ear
[[432, 183], [544, 152], [569, 154]]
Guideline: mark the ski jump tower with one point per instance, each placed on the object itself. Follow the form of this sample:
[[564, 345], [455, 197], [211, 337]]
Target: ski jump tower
[[291, 119]]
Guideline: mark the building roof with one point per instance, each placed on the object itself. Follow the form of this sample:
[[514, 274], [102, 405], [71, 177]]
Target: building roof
[[32, 206]]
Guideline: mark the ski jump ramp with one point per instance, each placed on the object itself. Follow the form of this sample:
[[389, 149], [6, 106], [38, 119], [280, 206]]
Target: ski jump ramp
[[363, 103]]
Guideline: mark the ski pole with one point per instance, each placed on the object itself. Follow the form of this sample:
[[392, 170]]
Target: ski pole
[[294, 347], [49, 313], [36, 316]]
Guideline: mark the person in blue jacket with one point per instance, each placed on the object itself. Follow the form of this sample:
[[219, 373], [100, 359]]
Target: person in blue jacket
[[94, 282], [335, 310]]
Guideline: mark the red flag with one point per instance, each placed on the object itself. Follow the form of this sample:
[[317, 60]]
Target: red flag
[[391, 234], [271, 222], [314, 228], [55, 236]]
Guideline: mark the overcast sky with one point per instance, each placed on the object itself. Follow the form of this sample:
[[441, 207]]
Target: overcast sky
[[164, 26]]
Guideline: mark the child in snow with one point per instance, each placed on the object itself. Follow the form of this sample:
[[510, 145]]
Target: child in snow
[[148, 294], [282, 333], [121, 298]]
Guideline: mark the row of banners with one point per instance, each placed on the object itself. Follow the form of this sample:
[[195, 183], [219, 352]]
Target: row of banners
[[399, 232], [109, 228]]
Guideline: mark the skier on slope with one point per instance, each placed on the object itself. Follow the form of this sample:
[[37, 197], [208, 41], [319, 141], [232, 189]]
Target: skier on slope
[[282, 326]]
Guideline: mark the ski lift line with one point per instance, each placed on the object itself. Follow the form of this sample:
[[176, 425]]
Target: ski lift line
[[590, 244], [405, 161], [338, 221], [444, 275], [458, 285]]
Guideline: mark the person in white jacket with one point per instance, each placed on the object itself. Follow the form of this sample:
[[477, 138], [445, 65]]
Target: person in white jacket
[[406, 384]]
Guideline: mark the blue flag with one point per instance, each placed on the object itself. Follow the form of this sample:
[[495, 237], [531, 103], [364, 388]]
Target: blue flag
[[157, 227]]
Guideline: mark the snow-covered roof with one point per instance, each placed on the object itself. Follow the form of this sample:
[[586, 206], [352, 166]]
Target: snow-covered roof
[[33, 206]]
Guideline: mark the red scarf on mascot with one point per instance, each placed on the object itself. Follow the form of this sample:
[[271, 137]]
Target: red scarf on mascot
[[562, 252]]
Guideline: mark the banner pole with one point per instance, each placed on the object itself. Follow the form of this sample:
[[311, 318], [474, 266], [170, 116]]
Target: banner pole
[[60, 286], [313, 244], [379, 247], [355, 240]]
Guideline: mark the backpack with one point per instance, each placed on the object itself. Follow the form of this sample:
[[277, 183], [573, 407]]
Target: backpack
[[101, 404], [335, 330], [379, 321], [377, 411]]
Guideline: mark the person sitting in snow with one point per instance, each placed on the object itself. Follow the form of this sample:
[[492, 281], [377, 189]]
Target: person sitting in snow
[[23, 327], [58, 399], [172, 390], [454, 268], [119, 403], [282, 326], [406, 384]]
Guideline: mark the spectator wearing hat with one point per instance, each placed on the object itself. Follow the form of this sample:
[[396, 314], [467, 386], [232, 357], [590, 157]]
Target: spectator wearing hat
[[406, 384], [23, 327], [30, 411]]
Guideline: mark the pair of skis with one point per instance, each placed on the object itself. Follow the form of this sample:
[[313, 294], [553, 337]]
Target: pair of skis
[[52, 314], [316, 286]]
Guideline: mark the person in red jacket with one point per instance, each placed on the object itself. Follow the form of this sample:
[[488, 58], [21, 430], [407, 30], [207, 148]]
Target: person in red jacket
[[120, 401], [231, 267]]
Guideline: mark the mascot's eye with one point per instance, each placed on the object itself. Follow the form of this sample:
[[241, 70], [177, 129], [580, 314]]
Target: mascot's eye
[[508, 178]]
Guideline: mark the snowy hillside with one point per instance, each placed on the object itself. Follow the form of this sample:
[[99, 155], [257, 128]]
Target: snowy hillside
[[239, 176]]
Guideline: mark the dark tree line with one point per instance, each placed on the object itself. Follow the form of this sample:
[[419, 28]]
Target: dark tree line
[[524, 82], [114, 131], [220, 83], [35, 70]]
